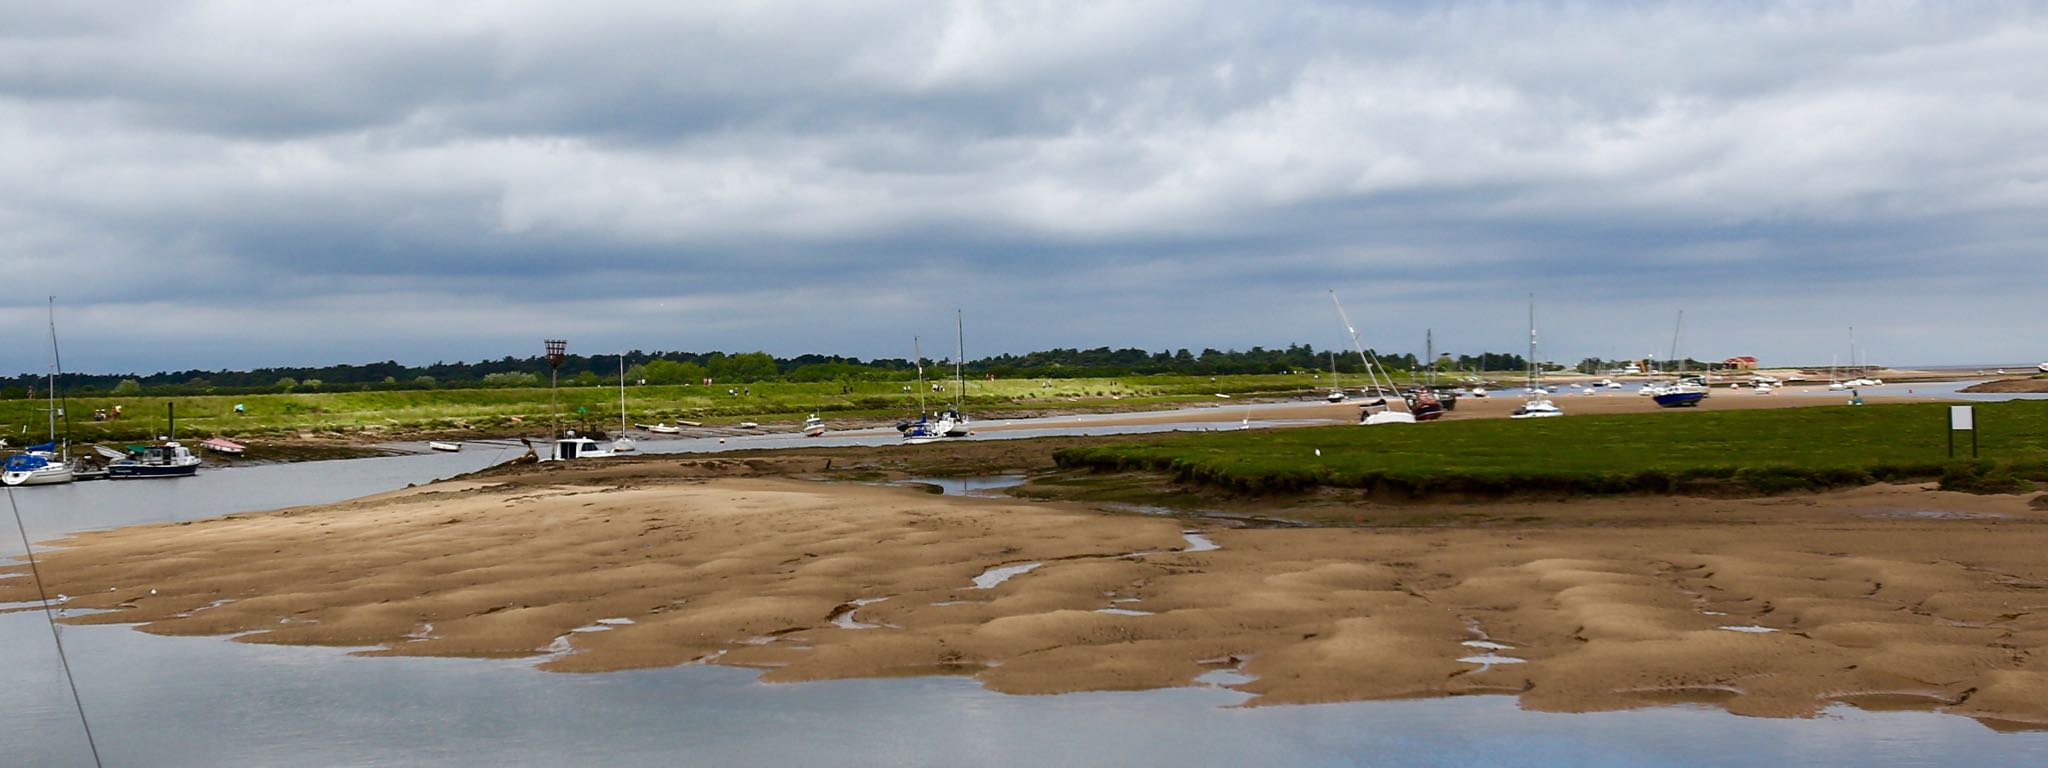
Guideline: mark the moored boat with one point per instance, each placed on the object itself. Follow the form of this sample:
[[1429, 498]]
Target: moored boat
[[444, 446], [814, 426], [223, 445], [1537, 406], [660, 429], [35, 468], [168, 459], [573, 447]]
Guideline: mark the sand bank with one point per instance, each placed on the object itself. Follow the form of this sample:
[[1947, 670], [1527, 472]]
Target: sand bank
[[1768, 607]]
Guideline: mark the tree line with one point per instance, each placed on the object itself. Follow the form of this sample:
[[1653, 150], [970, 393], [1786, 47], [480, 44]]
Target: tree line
[[664, 367]]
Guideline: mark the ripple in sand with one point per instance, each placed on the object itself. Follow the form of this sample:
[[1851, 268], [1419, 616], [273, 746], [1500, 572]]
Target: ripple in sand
[[993, 576]]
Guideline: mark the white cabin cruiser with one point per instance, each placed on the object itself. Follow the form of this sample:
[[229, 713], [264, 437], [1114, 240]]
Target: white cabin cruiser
[[574, 447]]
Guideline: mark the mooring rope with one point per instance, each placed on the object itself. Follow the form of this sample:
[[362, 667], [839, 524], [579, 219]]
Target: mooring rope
[[50, 616]]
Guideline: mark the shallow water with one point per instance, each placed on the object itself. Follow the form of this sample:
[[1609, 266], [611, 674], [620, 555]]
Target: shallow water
[[180, 701]]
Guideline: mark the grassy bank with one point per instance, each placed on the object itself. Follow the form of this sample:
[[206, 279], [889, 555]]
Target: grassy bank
[[374, 414], [1761, 451]]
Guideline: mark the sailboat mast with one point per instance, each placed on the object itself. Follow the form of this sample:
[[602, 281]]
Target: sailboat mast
[[959, 359], [56, 365], [1532, 344], [1372, 378], [918, 352], [1675, 331], [1429, 356], [622, 393]]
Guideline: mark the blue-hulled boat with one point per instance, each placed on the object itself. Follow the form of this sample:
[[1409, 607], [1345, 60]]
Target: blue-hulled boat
[[167, 460]]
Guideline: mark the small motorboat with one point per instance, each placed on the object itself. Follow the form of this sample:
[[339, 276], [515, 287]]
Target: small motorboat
[[814, 426], [660, 429], [574, 447], [444, 446], [750, 425], [2043, 367], [166, 460], [1539, 408], [223, 445]]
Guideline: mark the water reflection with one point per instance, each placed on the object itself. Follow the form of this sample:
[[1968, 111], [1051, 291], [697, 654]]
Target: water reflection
[[177, 701]]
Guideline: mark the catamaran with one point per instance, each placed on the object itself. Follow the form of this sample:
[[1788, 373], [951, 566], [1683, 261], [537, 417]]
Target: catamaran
[[1537, 406]]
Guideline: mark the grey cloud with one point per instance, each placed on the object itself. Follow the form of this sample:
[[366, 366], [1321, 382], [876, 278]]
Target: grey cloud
[[1158, 174]]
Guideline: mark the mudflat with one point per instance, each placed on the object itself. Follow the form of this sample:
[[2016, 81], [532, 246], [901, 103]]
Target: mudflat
[[1772, 607]]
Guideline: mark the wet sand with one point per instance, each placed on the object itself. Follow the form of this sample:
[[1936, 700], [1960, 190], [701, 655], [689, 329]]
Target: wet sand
[[1771, 607]]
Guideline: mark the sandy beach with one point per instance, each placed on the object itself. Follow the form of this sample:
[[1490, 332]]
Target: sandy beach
[[1885, 596]]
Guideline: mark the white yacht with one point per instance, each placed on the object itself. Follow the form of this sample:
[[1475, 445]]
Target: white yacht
[[1538, 406], [814, 426], [36, 467]]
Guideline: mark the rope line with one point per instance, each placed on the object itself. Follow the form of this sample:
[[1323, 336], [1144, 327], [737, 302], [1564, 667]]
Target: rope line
[[49, 615]]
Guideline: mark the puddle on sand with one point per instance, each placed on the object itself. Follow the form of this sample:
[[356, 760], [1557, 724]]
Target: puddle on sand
[[1751, 629], [615, 622], [997, 575], [1223, 678], [1486, 645], [943, 603], [1916, 513], [1492, 659], [983, 485], [1123, 612], [1199, 543], [843, 618]]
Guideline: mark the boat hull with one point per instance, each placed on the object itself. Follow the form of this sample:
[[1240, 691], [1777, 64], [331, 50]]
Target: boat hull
[[1679, 399], [141, 472], [52, 475]]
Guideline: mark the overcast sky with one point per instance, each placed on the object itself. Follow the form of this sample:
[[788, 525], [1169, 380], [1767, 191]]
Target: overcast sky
[[240, 184]]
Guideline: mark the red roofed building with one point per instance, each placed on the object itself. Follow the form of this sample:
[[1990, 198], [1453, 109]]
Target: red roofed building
[[1744, 363]]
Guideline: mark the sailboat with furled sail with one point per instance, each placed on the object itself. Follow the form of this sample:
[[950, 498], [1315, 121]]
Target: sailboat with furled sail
[[1538, 406], [45, 463], [924, 430]]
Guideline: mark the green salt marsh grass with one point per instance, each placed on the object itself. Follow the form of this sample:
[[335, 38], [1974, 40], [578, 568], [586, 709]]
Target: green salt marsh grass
[[1747, 451], [340, 412]]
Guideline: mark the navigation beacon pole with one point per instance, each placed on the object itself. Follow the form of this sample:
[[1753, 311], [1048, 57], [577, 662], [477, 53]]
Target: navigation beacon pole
[[556, 348]]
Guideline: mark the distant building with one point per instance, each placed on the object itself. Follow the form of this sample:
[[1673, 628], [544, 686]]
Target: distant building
[[1744, 363]]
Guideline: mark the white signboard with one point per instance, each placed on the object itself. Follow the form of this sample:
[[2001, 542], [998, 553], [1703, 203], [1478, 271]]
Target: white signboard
[[1962, 417]]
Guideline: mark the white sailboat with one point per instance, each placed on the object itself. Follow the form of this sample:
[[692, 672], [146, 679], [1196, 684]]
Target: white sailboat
[[622, 444], [1336, 392], [1537, 406], [46, 464], [1378, 411], [955, 421], [924, 430]]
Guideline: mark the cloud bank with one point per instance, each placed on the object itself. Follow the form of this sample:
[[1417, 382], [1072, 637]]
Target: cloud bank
[[250, 183]]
